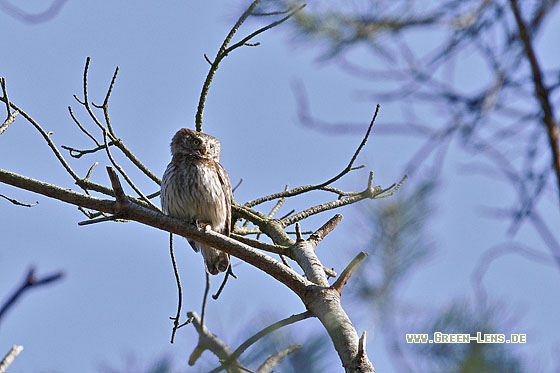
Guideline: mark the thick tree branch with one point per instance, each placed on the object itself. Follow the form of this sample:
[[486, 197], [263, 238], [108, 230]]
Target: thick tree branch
[[324, 303], [125, 208]]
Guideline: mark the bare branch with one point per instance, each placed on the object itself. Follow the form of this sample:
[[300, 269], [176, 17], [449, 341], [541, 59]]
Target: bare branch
[[276, 249], [10, 357], [5, 96], [126, 208], [18, 203], [348, 272], [78, 153], [109, 136], [259, 335], [541, 93], [490, 255], [324, 303], [275, 359], [208, 341], [31, 281], [370, 192], [216, 62], [228, 273], [303, 252], [205, 297], [307, 188], [11, 118], [176, 319], [327, 228], [225, 50]]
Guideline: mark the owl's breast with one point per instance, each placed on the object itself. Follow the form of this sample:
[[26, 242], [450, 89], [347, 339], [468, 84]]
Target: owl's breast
[[194, 191]]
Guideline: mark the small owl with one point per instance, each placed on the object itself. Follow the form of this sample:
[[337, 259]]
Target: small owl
[[195, 187]]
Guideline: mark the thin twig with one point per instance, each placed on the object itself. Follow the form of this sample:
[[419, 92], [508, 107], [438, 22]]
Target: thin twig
[[105, 105], [224, 51], [274, 359], [47, 138], [370, 192], [276, 249], [107, 129], [307, 188], [245, 41], [18, 203], [205, 298], [179, 289], [216, 62], [259, 335], [82, 128], [278, 204], [5, 96], [541, 92], [125, 175], [78, 153], [229, 272]]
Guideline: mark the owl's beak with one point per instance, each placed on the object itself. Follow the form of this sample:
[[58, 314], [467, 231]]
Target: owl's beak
[[203, 150]]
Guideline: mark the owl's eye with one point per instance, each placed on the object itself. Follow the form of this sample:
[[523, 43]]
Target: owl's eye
[[196, 142]]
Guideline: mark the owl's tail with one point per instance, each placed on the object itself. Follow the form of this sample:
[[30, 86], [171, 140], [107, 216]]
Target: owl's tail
[[216, 261]]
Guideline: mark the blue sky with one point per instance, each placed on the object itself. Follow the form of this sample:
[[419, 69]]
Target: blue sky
[[118, 290]]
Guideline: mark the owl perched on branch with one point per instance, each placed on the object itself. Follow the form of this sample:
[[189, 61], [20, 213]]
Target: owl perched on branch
[[195, 187]]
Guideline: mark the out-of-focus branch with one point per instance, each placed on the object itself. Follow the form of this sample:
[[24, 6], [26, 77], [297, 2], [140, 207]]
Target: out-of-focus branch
[[262, 333], [275, 359], [21, 15], [209, 341], [541, 93], [31, 281]]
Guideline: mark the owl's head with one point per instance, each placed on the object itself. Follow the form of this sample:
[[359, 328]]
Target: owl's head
[[189, 142]]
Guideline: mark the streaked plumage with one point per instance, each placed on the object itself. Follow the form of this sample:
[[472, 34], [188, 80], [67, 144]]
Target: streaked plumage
[[195, 187]]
